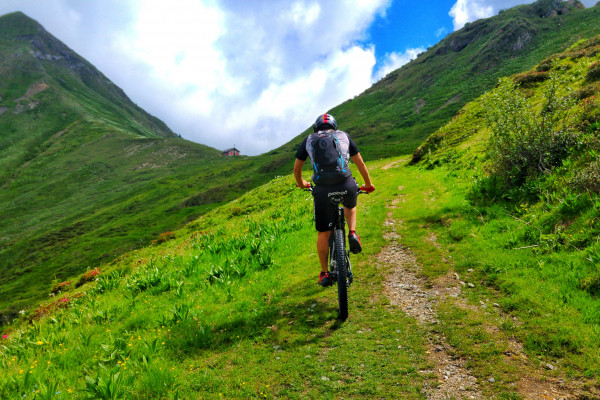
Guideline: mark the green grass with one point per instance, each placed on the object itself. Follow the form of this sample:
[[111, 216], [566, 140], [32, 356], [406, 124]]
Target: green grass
[[543, 299], [230, 308], [530, 246], [234, 312]]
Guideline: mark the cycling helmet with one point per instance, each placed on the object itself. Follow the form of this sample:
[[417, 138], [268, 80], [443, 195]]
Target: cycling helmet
[[324, 122]]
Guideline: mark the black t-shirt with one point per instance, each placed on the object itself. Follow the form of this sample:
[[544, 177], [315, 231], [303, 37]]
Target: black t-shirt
[[302, 153]]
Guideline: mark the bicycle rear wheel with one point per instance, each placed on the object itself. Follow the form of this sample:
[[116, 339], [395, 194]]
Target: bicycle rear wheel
[[342, 283]]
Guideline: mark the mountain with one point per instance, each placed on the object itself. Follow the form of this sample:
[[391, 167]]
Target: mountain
[[397, 113], [85, 174], [36, 67]]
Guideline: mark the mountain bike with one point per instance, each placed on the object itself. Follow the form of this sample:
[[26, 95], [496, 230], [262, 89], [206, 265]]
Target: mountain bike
[[340, 269]]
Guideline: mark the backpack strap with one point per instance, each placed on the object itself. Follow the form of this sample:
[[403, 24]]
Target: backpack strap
[[338, 147]]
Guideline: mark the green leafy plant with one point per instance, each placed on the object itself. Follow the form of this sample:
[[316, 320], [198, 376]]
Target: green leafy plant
[[528, 141], [107, 386]]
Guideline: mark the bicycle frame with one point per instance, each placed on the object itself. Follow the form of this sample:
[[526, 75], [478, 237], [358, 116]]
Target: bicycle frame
[[338, 225]]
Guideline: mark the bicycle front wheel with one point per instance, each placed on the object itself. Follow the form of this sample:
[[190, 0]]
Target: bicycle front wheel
[[342, 271]]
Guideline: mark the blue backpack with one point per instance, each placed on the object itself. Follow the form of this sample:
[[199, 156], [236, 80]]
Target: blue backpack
[[329, 164]]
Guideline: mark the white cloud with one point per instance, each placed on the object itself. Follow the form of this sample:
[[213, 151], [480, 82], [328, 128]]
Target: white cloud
[[238, 75], [464, 11], [393, 61]]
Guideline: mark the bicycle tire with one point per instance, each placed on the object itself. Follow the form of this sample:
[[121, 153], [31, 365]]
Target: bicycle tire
[[342, 283]]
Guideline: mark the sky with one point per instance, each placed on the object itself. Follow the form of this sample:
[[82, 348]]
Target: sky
[[249, 73]]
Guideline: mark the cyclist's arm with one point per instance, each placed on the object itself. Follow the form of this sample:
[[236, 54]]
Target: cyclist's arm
[[362, 168], [298, 174]]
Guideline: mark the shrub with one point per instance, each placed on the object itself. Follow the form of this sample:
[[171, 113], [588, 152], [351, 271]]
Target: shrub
[[589, 114], [61, 287], [165, 236], [593, 72], [531, 78], [545, 65], [587, 91], [588, 178], [528, 141], [591, 285], [88, 277]]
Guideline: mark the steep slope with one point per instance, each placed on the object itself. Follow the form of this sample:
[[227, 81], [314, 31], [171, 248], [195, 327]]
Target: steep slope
[[37, 67], [85, 174], [400, 111]]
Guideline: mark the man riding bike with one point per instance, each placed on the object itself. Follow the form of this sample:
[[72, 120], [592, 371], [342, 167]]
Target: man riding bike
[[329, 150]]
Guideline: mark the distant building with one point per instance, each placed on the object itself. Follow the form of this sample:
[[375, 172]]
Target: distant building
[[231, 152]]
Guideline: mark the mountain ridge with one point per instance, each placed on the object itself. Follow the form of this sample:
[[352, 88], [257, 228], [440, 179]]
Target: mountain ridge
[[47, 49]]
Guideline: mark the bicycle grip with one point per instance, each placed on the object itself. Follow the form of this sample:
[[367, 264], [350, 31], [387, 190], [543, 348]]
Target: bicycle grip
[[367, 190]]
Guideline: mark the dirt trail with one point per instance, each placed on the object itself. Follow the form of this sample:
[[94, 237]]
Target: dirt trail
[[408, 290]]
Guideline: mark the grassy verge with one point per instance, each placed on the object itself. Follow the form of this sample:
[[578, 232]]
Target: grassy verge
[[523, 290]]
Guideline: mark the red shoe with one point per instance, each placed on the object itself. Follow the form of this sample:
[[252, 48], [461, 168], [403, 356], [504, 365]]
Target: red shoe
[[324, 279], [354, 241]]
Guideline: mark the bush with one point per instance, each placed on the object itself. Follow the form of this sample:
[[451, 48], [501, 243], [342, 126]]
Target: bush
[[588, 178], [591, 285], [589, 114], [61, 287], [593, 73], [88, 277], [545, 65], [164, 237], [528, 141], [587, 91], [531, 78]]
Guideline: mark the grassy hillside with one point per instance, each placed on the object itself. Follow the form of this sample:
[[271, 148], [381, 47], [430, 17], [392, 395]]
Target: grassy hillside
[[230, 308], [526, 156], [396, 114]]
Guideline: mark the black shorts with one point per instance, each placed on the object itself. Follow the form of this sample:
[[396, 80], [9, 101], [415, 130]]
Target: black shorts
[[325, 210]]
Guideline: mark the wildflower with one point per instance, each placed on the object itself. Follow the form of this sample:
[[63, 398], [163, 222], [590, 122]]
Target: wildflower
[[39, 343], [4, 336]]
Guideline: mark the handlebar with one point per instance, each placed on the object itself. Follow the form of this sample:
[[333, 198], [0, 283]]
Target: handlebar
[[310, 188]]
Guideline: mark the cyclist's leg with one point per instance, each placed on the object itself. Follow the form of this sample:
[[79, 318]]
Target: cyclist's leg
[[350, 203], [323, 249], [350, 211], [350, 214], [324, 217]]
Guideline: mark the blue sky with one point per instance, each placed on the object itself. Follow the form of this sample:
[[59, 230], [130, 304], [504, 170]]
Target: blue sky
[[253, 74], [406, 25]]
